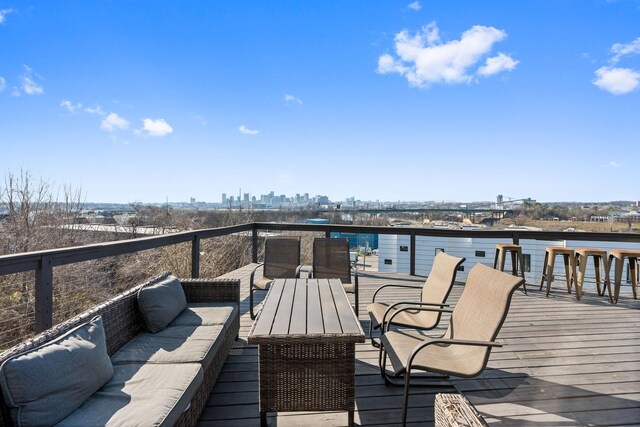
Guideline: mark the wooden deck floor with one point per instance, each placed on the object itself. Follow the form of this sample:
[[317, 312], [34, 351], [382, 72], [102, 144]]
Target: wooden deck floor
[[564, 363]]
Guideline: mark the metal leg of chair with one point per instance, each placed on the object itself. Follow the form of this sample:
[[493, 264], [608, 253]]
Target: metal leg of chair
[[373, 341], [596, 266], [567, 270], [544, 269], [618, 278], [251, 313], [582, 263], [521, 262], [633, 264], [549, 277], [405, 403]]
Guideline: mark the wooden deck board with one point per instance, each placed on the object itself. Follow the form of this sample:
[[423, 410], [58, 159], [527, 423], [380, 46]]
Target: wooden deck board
[[564, 362]]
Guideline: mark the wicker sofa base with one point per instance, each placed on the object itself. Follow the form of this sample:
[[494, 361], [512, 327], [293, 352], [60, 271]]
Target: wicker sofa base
[[123, 321]]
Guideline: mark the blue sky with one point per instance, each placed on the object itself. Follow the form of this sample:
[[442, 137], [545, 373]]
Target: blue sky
[[430, 100]]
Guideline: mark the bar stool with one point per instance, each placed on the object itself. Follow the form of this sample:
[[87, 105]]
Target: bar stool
[[582, 255], [549, 260], [620, 255], [516, 260]]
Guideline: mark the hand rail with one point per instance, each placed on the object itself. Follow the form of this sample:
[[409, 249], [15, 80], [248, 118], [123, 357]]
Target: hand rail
[[42, 262]]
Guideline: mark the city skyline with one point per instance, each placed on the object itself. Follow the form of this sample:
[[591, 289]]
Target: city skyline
[[407, 101]]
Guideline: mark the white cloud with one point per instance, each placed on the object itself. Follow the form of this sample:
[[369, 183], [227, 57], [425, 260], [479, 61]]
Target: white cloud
[[424, 60], [97, 110], [113, 122], [3, 84], [246, 131], [613, 164], [157, 127], [3, 14], [497, 64], [198, 118], [70, 107], [415, 6], [291, 98], [617, 81], [29, 86], [620, 50]]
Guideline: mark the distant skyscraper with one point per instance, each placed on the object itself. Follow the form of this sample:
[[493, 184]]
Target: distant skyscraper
[[224, 198], [193, 200]]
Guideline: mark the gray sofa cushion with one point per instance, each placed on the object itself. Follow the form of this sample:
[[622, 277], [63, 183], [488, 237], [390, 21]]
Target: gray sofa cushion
[[175, 344], [206, 314], [51, 381], [161, 303], [140, 395]]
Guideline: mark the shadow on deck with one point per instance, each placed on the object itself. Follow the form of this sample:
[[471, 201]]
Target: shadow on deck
[[564, 363]]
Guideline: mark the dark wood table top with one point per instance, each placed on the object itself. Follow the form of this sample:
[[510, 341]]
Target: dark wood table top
[[306, 309]]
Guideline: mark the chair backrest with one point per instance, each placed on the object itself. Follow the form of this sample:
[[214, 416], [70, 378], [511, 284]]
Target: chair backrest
[[331, 259], [480, 313], [281, 257], [438, 285]]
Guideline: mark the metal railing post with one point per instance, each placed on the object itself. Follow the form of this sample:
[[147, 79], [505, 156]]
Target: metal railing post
[[44, 294], [254, 244], [412, 254], [195, 257]]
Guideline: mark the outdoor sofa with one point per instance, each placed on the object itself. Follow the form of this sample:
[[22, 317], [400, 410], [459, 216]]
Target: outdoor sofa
[[149, 356]]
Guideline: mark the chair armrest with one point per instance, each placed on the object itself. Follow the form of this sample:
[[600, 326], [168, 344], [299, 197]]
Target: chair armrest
[[253, 273], [412, 306], [393, 285], [298, 270], [211, 290], [453, 341]]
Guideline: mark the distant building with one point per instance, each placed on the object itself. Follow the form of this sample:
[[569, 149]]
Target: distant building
[[366, 241]]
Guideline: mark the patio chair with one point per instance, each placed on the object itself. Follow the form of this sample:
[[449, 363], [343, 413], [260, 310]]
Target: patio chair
[[465, 347], [434, 293], [331, 260], [281, 261]]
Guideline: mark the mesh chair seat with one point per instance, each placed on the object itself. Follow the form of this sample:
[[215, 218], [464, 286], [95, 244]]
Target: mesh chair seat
[[462, 361], [263, 284], [417, 319]]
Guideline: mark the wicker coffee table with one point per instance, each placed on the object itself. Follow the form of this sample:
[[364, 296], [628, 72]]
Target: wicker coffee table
[[306, 333]]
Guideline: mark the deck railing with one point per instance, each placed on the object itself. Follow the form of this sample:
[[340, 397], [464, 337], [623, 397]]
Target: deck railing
[[42, 262]]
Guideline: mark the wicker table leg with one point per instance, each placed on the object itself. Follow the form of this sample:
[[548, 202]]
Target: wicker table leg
[[263, 418], [350, 422]]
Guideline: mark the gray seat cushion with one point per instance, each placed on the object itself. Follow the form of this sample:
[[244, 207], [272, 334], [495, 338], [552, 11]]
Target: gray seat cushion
[[175, 344], [161, 303], [140, 395], [51, 381], [206, 314]]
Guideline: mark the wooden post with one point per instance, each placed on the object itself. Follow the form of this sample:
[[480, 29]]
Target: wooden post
[[195, 257], [44, 294], [412, 255]]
